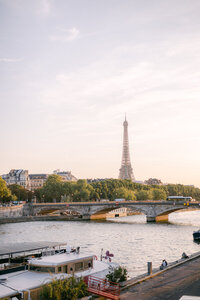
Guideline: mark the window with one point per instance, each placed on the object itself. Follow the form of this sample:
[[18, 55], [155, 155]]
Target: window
[[59, 269], [87, 264], [64, 269], [79, 266], [42, 269]]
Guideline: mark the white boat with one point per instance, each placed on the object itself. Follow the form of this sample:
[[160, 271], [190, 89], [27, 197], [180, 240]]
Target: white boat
[[44, 269]]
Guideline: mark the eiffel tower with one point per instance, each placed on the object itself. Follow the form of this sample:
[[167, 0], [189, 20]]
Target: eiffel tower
[[126, 171]]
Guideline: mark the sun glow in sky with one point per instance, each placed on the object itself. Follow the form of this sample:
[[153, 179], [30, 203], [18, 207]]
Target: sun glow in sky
[[69, 70]]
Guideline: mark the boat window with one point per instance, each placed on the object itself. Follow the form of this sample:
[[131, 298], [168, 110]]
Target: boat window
[[65, 269], [42, 269], [79, 266], [59, 269], [88, 264]]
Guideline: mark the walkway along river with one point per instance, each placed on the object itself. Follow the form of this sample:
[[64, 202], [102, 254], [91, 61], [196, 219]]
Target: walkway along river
[[133, 241], [176, 280]]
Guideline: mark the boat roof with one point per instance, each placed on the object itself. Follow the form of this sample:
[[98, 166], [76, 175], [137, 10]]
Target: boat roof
[[23, 280], [59, 259], [26, 280], [6, 291], [8, 249]]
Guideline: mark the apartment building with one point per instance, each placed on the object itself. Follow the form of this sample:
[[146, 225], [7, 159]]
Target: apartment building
[[19, 177]]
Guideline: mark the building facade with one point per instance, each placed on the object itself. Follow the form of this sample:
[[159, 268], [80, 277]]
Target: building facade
[[33, 181], [66, 175], [20, 177], [153, 181], [37, 181]]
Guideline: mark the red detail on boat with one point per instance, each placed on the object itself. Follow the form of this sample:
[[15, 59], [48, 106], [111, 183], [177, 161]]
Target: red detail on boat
[[102, 287]]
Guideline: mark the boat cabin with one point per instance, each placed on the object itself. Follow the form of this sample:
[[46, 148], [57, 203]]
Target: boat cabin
[[67, 263], [44, 265]]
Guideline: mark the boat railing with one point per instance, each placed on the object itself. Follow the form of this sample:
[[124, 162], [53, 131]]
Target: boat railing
[[103, 287]]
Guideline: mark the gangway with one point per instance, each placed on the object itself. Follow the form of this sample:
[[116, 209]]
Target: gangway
[[103, 287]]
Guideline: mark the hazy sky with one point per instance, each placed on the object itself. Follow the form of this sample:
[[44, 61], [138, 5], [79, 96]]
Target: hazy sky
[[69, 70]]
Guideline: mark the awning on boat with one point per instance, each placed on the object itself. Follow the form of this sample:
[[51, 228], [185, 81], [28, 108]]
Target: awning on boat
[[12, 248]]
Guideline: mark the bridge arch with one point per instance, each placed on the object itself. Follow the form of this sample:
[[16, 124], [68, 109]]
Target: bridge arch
[[154, 210]]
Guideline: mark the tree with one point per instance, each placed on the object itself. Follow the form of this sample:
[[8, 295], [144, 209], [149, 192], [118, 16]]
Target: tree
[[142, 195], [82, 191], [158, 194], [38, 193], [67, 190], [20, 192], [123, 192], [118, 275], [53, 188], [173, 190], [5, 193], [66, 289]]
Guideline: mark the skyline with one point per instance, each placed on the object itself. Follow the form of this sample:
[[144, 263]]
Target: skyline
[[70, 70]]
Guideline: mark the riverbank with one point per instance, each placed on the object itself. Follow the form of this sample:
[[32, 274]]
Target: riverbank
[[39, 218], [54, 218], [180, 278]]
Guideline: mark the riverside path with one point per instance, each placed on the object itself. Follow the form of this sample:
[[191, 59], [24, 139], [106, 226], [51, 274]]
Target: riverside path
[[181, 278]]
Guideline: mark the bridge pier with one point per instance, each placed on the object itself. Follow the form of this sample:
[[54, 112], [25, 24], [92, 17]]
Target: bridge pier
[[163, 218], [151, 219], [85, 217], [157, 219]]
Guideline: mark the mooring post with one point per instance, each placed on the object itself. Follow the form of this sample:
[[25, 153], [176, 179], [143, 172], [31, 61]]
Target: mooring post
[[149, 268]]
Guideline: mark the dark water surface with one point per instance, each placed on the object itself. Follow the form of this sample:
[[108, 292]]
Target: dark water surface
[[132, 241]]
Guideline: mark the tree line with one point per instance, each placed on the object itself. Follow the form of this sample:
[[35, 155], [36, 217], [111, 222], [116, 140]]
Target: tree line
[[57, 190]]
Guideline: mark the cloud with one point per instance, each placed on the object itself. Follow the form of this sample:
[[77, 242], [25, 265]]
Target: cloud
[[10, 60], [66, 35], [152, 89], [44, 7]]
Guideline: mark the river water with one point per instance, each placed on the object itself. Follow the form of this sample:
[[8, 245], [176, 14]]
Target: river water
[[132, 241]]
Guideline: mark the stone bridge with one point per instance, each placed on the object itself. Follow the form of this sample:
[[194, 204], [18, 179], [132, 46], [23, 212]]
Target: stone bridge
[[155, 211]]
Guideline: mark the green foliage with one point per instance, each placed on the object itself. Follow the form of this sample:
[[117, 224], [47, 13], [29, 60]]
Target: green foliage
[[143, 195], [118, 275], [5, 193], [66, 289], [123, 192], [52, 189], [57, 189], [82, 191], [20, 192], [158, 194]]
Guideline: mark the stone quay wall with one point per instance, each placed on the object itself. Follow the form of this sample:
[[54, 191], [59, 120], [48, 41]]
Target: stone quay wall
[[11, 211]]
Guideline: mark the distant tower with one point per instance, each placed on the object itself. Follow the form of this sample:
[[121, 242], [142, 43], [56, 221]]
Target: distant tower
[[126, 171]]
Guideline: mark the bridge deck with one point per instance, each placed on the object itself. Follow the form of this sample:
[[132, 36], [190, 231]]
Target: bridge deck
[[184, 279]]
